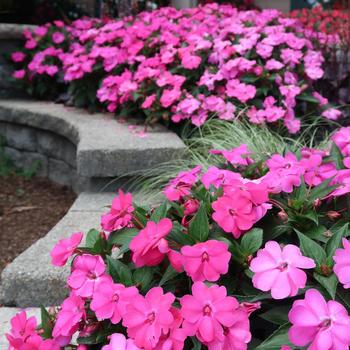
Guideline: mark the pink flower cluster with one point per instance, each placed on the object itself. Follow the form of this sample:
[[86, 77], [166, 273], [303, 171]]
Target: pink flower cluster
[[185, 64], [192, 269]]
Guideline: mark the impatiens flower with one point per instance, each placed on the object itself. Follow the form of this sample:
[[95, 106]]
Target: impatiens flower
[[217, 177], [57, 37], [110, 300], [71, 313], [64, 249], [22, 328], [342, 263], [19, 74], [208, 312], [332, 114], [88, 273], [236, 156], [119, 342], [147, 317], [182, 184], [342, 139], [279, 270], [120, 214], [318, 324], [206, 261], [241, 206], [18, 56], [150, 246], [235, 337]]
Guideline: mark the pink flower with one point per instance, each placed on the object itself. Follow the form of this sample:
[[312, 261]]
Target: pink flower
[[236, 156], [331, 114], [235, 337], [119, 342], [150, 246], [71, 313], [315, 171], [318, 324], [243, 92], [241, 206], [342, 139], [22, 328], [58, 37], [19, 74], [110, 300], [88, 273], [149, 101], [18, 56], [169, 97], [342, 263], [182, 184], [65, 248], [191, 61], [206, 261], [279, 270], [149, 316], [208, 312], [120, 214], [218, 177]]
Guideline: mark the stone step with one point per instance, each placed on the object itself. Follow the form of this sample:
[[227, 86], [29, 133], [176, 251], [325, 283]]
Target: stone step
[[78, 149], [6, 313], [30, 280]]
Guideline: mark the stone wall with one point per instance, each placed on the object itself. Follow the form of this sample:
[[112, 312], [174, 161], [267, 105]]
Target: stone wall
[[53, 155]]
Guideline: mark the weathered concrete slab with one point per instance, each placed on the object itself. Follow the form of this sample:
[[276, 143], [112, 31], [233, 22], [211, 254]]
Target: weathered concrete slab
[[31, 280], [105, 147], [6, 313]]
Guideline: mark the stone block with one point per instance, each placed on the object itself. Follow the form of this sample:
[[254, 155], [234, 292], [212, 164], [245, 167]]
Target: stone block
[[3, 127], [21, 137], [28, 160], [56, 146], [61, 172]]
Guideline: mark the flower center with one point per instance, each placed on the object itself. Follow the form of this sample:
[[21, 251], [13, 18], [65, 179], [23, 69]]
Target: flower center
[[91, 276], [287, 166], [326, 323], [232, 212], [151, 317], [115, 298], [283, 266], [205, 256], [207, 310]]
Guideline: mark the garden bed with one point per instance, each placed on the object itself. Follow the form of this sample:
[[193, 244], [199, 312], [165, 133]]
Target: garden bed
[[29, 208]]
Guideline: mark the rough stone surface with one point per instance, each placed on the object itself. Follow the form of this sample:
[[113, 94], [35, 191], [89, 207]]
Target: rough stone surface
[[56, 146], [3, 127], [29, 160], [6, 313], [32, 271], [105, 148], [21, 138], [60, 172], [13, 31]]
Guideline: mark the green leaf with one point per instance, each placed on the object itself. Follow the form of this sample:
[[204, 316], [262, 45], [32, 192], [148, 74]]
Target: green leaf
[[160, 212], [308, 98], [199, 226], [252, 241], [196, 344], [322, 190], [119, 272], [46, 323], [278, 315], [178, 236], [168, 275], [276, 339], [311, 248], [335, 241], [143, 277], [337, 157], [329, 283], [318, 233], [91, 238], [122, 238]]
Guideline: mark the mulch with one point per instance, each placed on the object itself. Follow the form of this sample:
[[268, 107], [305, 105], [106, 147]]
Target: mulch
[[29, 208]]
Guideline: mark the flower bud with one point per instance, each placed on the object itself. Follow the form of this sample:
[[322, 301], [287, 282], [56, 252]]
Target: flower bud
[[317, 202], [283, 216], [332, 214]]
